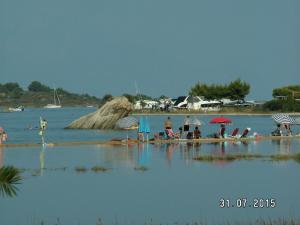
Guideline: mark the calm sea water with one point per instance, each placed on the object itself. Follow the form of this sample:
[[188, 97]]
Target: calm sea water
[[174, 188]]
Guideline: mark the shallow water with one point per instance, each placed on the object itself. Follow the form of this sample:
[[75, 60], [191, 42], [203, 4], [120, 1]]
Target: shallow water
[[172, 188]]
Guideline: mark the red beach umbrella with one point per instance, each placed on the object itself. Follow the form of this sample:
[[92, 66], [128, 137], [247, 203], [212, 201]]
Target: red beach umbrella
[[220, 120]]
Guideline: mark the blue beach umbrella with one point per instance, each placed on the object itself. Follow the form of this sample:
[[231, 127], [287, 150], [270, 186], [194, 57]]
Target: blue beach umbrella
[[147, 126], [142, 125]]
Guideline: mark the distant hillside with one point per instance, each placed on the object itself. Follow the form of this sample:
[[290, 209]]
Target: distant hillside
[[38, 95]]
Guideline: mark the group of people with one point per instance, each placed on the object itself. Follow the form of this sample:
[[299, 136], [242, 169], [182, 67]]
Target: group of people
[[281, 129], [42, 128], [184, 131]]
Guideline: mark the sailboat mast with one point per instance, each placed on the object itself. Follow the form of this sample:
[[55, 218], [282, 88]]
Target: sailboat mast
[[54, 97], [58, 98]]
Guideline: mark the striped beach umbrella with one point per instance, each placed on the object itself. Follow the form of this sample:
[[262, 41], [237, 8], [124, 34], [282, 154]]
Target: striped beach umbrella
[[282, 118]]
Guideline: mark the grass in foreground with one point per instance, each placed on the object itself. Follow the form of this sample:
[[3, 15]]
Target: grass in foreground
[[141, 168], [10, 177], [81, 169], [229, 157], [248, 156]]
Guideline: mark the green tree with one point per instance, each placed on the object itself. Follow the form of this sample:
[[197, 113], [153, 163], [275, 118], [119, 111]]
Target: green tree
[[288, 91], [235, 90], [3, 89], [105, 98], [131, 98], [238, 89], [12, 89], [37, 86]]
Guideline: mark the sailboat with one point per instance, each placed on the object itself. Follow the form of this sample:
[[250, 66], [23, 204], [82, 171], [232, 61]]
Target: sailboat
[[56, 104]]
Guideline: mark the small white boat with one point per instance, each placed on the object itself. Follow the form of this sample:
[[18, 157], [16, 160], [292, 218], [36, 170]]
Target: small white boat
[[18, 109], [52, 106], [56, 104]]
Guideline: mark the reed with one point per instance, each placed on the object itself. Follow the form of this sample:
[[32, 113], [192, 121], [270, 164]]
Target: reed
[[141, 168], [297, 157], [248, 156], [228, 157], [81, 169], [97, 169]]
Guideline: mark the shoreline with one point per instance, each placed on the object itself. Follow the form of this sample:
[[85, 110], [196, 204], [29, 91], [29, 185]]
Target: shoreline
[[124, 142], [212, 114]]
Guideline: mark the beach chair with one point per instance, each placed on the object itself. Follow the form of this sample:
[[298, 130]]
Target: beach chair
[[245, 133], [234, 133], [170, 134]]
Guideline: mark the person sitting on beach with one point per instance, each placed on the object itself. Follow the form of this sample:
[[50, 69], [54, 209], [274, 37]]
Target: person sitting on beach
[[170, 134], [277, 131], [197, 133], [168, 128], [288, 129]]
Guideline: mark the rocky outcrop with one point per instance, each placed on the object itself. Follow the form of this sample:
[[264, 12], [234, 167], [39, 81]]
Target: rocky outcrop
[[105, 117]]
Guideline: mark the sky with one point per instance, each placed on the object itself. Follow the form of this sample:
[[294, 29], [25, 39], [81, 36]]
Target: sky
[[164, 46]]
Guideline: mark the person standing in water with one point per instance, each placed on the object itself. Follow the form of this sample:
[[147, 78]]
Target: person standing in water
[[186, 124], [43, 126], [3, 135], [168, 124]]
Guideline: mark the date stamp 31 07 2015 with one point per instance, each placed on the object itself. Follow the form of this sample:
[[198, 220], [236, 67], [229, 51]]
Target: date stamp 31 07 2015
[[245, 203]]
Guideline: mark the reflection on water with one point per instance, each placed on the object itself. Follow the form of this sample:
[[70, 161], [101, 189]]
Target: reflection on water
[[42, 161], [161, 192], [282, 146], [145, 154], [1, 157]]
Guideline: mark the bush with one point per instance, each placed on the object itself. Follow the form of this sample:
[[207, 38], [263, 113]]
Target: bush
[[289, 105]]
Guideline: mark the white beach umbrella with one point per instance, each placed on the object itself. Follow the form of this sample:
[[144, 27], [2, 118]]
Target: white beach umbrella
[[282, 118], [196, 122]]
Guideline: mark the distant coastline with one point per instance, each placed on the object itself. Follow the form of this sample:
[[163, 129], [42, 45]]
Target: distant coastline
[[209, 113]]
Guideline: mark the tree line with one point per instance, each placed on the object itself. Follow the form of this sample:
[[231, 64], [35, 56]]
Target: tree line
[[14, 90], [235, 90]]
